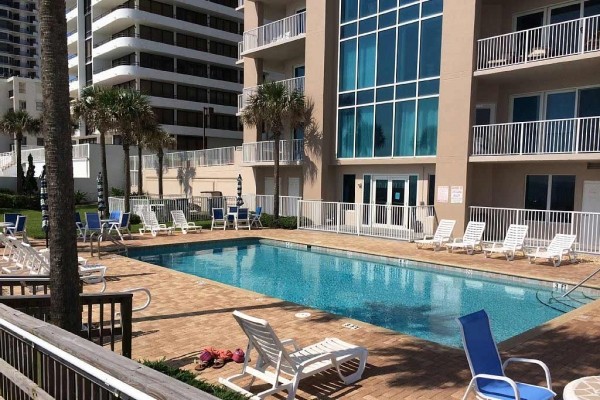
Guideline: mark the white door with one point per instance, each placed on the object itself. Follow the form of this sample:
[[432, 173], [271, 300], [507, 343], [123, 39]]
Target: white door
[[589, 233], [390, 197]]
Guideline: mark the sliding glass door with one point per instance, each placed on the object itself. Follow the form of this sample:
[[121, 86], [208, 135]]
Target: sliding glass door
[[525, 136], [560, 113]]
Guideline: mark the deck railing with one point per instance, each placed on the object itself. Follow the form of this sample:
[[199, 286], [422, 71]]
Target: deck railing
[[549, 41], [279, 31], [198, 158], [572, 135], [42, 361], [543, 225], [290, 151], [385, 221], [293, 84]]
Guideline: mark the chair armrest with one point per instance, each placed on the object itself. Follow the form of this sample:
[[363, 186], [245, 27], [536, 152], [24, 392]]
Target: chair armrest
[[427, 237], [532, 361], [287, 342], [512, 383], [193, 224]]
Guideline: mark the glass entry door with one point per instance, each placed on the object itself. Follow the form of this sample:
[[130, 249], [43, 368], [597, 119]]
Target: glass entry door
[[390, 195]]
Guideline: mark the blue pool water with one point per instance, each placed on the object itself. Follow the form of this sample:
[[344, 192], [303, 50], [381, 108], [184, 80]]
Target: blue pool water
[[407, 297]]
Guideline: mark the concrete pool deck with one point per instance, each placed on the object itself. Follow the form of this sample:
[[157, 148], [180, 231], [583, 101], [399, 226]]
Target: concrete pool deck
[[188, 313]]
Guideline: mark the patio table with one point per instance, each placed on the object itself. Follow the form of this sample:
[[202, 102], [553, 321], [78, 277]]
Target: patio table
[[587, 388]]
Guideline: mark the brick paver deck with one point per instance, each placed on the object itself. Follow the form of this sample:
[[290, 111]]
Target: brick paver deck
[[188, 313]]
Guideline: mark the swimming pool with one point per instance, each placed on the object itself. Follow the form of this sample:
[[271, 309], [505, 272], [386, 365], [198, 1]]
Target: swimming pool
[[418, 299]]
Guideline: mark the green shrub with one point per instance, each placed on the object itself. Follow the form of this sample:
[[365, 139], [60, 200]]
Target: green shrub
[[6, 191], [134, 219], [189, 378], [80, 197], [116, 192], [19, 202], [268, 221]]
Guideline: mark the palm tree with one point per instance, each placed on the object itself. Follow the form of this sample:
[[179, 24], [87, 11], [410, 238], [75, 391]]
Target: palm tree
[[157, 140], [132, 113], [96, 106], [143, 134], [275, 107], [65, 310], [16, 124]]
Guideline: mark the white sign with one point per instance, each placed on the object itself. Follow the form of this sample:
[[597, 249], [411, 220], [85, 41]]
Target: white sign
[[442, 194], [456, 195]]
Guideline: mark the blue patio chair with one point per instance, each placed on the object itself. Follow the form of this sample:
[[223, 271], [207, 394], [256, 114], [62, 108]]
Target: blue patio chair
[[243, 219], [11, 218], [218, 219], [92, 225], [115, 215], [256, 218], [489, 380], [121, 225], [232, 215], [79, 225], [20, 228]]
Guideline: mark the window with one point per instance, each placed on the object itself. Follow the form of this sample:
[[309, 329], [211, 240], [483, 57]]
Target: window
[[349, 189], [22, 105], [158, 89], [39, 106], [192, 68], [156, 35], [189, 118], [223, 49], [164, 116], [431, 190], [550, 192], [154, 61], [40, 141], [223, 24], [225, 122], [192, 42], [224, 74], [223, 98], [194, 17], [156, 7], [191, 93], [22, 87]]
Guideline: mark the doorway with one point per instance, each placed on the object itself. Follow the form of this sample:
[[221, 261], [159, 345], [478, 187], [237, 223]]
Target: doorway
[[389, 195], [589, 235]]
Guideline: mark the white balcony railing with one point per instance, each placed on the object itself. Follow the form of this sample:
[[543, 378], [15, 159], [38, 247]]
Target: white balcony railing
[[379, 220], [290, 151], [291, 84], [558, 136], [197, 158], [279, 31], [543, 225], [531, 45]]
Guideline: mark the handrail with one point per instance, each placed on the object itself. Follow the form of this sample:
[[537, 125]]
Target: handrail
[[142, 290], [581, 283]]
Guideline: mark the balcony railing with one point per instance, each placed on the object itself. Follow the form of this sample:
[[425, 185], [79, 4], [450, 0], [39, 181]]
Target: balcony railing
[[290, 152], [274, 32], [291, 84], [559, 136], [546, 42], [197, 158]]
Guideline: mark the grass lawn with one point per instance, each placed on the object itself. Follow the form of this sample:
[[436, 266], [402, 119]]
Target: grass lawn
[[34, 219]]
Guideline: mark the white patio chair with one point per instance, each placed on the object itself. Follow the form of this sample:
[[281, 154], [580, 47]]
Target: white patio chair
[[442, 235], [242, 220], [282, 368], [219, 219], [470, 240], [561, 245], [150, 224], [180, 222], [513, 242]]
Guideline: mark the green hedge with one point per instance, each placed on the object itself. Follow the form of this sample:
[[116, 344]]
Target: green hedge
[[268, 221], [188, 377], [19, 201]]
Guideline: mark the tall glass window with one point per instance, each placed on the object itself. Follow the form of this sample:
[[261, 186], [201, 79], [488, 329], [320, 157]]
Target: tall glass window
[[389, 71]]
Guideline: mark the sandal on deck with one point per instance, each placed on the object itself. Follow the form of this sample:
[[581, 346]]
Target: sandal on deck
[[219, 363], [202, 365]]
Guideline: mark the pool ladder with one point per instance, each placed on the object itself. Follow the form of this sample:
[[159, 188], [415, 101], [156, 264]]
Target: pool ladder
[[582, 282]]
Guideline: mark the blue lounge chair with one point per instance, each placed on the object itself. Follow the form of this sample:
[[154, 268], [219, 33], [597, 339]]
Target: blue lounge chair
[[489, 380]]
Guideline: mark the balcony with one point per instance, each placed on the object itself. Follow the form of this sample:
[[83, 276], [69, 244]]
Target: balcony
[[291, 152], [572, 38], [578, 138], [291, 84], [262, 41], [240, 5]]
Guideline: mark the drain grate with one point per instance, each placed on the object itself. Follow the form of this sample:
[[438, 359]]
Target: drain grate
[[348, 325], [302, 315]]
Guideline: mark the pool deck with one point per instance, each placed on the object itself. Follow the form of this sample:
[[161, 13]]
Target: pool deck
[[188, 313]]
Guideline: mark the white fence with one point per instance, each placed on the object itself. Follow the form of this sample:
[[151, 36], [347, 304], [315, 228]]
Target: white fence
[[573, 135], [198, 208], [293, 84], [198, 158], [543, 225], [549, 41], [391, 222], [278, 31], [290, 151]]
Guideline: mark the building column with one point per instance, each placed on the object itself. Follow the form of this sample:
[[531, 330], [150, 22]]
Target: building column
[[321, 89], [253, 67], [456, 109]]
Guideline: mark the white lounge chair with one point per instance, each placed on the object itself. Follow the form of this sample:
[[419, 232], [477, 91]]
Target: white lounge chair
[[470, 240], [561, 245], [282, 368], [442, 235], [150, 224], [513, 242], [180, 222]]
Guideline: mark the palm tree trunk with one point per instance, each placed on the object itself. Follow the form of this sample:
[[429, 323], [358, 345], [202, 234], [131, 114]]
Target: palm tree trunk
[[140, 172], [127, 177], [65, 310], [160, 156], [276, 177], [18, 141], [104, 174]]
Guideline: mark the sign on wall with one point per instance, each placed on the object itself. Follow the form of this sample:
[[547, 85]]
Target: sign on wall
[[442, 194], [456, 195]]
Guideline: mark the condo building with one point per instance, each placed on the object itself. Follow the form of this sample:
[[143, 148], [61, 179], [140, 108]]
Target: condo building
[[19, 47], [180, 53], [460, 105]]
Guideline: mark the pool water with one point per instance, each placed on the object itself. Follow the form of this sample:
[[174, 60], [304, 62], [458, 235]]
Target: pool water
[[408, 297]]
